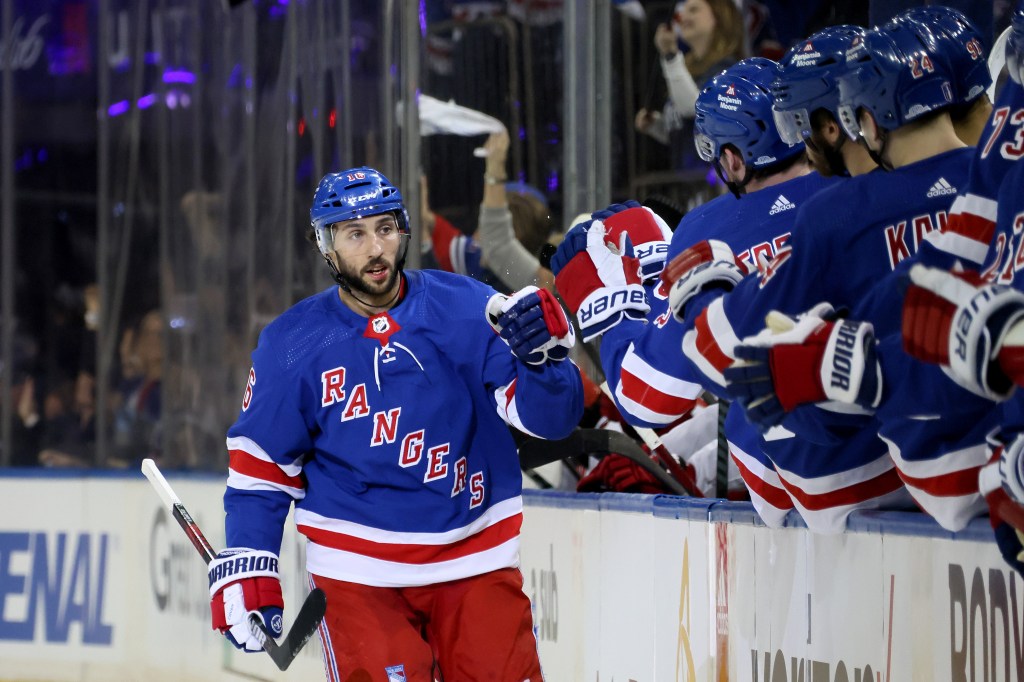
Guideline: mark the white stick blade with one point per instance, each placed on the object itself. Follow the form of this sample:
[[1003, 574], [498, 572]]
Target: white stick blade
[[159, 483]]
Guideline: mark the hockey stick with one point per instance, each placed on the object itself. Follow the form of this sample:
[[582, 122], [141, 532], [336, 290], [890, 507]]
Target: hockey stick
[[653, 441], [538, 452], [310, 614]]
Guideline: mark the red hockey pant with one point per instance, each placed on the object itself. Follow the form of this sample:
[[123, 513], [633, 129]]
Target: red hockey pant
[[478, 629]]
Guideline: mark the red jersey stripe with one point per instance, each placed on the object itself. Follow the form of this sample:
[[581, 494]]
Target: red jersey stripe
[[953, 484], [708, 346], [971, 226], [488, 538], [879, 486], [642, 393], [771, 494], [246, 464]]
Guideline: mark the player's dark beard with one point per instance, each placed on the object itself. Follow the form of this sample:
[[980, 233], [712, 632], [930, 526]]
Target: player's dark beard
[[354, 279], [834, 163]]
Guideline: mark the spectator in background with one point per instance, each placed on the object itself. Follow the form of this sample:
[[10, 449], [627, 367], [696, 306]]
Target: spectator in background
[[513, 226], [712, 31], [137, 418], [70, 424], [26, 427]]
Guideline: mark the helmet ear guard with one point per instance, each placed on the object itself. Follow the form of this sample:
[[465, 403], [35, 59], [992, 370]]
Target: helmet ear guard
[[735, 109], [807, 80]]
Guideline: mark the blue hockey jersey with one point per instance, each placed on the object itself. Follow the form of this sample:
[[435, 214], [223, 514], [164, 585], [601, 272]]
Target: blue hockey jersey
[[846, 238], [971, 229], [936, 430], [652, 384], [390, 435], [1004, 261]]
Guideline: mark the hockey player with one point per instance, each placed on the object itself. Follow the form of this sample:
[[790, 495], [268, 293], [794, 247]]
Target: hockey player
[[965, 50], [380, 407], [893, 99], [972, 329], [769, 180], [806, 99], [935, 430]]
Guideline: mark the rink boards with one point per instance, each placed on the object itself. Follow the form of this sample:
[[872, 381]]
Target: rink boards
[[98, 583]]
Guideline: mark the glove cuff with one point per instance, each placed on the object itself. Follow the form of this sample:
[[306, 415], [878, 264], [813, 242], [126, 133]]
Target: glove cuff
[[976, 335], [233, 565], [849, 370], [605, 307], [722, 274], [652, 258]]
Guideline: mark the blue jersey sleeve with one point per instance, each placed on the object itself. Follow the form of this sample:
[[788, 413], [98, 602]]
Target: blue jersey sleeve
[[266, 446], [542, 400]]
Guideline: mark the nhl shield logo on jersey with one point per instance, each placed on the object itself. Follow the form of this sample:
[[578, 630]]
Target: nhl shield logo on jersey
[[381, 327]]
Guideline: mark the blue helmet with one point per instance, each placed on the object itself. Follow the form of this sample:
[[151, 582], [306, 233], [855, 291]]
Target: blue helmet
[[959, 43], [807, 80], [1015, 48], [736, 108], [355, 193], [895, 75]]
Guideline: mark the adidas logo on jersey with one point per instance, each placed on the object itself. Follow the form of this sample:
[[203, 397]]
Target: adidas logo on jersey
[[941, 188], [782, 204]]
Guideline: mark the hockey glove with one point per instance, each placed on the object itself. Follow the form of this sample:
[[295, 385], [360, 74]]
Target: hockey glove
[[705, 265], [619, 474], [804, 360], [966, 327], [649, 234], [1001, 482], [600, 282], [533, 324], [243, 580]]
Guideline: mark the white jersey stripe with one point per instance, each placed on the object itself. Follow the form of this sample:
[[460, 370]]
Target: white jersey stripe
[[958, 245], [250, 447], [666, 383], [952, 511], [240, 481], [505, 397]]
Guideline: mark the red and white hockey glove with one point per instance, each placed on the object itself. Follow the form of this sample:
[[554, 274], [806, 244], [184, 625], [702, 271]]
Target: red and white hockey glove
[[1001, 483], [244, 580], [809, 359], [971, 329], [706, 265], [649, 234], [598, 280], [533, 324]]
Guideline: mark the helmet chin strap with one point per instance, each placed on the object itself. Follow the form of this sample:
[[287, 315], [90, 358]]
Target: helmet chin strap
[[877, 157], [737, 188]]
